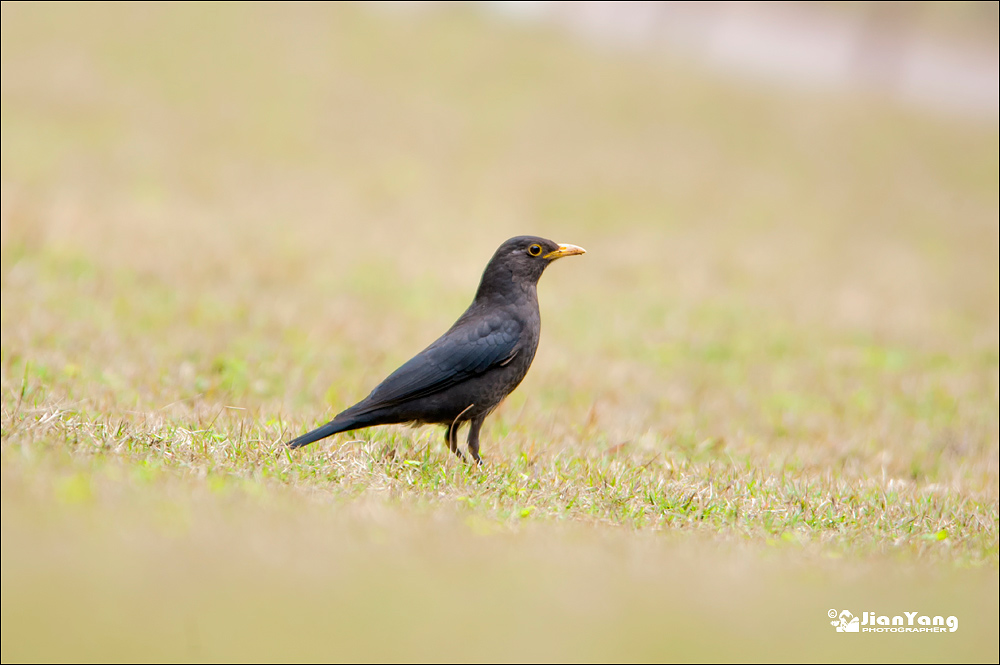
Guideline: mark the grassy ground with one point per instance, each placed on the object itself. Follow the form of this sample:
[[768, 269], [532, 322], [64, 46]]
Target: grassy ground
[[770, 389]]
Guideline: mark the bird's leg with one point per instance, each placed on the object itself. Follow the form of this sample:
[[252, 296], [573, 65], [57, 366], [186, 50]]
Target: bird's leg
[[452, 436], [453, 433], [474, 426]]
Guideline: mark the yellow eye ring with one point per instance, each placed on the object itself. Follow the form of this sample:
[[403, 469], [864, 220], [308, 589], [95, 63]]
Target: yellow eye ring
[[535, 250]]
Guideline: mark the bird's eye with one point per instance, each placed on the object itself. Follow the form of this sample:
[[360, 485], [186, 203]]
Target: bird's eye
[[535, 250]]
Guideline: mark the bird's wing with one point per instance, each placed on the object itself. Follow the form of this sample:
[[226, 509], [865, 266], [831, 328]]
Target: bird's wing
[[463, 352]]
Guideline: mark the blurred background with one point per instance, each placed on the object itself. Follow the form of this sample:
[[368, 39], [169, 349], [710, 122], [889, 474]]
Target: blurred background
[[223, 223], [304, 190], [934, 54]]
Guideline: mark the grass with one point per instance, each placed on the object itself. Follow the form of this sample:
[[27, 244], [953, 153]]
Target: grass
[[768, 390]]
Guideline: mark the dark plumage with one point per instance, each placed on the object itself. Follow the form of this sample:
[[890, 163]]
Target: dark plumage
[[470, 369]]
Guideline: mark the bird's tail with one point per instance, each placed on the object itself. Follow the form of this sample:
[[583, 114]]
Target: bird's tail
[[342, 423]]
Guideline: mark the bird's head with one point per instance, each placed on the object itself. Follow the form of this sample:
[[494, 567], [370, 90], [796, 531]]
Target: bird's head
[[521, 261]]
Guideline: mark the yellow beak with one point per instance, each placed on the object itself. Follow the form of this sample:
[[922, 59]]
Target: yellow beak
[[565, 250]]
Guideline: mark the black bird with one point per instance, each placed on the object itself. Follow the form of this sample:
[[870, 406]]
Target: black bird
[[470, 369]]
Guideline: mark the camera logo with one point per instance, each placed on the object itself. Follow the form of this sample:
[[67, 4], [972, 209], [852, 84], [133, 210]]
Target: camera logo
[[846, 622], [869, 622]]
